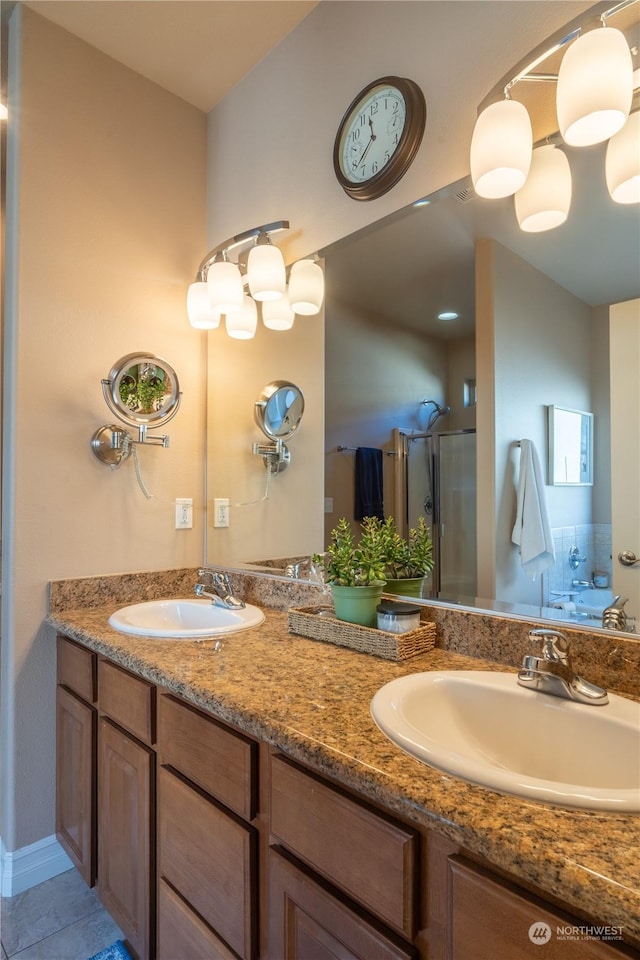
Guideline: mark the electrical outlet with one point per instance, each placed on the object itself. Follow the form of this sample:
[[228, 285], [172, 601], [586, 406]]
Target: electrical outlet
[[328, 504], [221, 512], [184, 513]]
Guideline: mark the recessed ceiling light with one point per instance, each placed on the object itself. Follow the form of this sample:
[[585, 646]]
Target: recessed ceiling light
[[424, 202], [448, 315]]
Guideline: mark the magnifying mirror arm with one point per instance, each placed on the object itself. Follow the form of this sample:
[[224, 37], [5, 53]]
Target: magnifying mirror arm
[[276, 455]]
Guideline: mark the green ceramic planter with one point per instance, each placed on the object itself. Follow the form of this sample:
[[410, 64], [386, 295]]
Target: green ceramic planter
[[409, 587], [357, 604]]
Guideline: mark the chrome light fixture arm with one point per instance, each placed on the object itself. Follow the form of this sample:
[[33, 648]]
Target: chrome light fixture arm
[[221, 251]]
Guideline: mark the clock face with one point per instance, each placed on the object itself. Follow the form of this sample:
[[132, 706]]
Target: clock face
[[372, 134], [378, 137]]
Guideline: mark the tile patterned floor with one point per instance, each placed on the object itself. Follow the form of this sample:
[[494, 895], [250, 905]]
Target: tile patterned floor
[[60, 919]]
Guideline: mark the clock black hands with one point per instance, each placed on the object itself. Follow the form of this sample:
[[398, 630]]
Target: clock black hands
[[366, 170], [368, 146]]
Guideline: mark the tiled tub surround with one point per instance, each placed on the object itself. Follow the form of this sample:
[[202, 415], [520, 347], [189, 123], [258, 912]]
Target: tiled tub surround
[[312, 700]]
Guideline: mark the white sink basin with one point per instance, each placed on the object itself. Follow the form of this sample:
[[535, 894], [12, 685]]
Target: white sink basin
[[183, 619], [483, 727]]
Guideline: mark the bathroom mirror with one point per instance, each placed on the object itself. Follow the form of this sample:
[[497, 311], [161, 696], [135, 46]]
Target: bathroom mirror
[[278, 410], [142, 389], [570, 447], [388, 283]]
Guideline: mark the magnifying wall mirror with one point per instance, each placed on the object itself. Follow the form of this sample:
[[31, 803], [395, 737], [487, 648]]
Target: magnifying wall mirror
[[142, 391], [278, 412]]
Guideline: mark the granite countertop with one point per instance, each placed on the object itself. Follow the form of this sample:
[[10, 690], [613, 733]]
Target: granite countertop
[[311, 699]]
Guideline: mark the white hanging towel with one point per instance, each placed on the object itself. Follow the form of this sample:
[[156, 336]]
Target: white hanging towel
[[532, 532]]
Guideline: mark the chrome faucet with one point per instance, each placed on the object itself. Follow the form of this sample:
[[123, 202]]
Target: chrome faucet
[[552, 671], [614, 616], [222, 595]]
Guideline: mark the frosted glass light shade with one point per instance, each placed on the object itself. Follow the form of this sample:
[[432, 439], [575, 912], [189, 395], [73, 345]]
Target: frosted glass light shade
[[226, 292], [277, 314], [544, 201], [306, 287], [242, 324], [622, 164], [201, 314], [501, 148], [595, 87], [266, 272]]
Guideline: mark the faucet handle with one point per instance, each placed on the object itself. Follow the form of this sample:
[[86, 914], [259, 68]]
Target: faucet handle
[[554, 646]]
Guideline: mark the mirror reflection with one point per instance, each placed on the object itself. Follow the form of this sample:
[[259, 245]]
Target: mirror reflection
[[142, 389], [533, 328], [278, 410], [570, 446]]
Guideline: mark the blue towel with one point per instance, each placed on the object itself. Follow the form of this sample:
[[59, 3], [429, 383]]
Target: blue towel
[[117, 951], [368, 499]]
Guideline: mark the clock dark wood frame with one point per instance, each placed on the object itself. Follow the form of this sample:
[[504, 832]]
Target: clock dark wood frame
[[411, 138]]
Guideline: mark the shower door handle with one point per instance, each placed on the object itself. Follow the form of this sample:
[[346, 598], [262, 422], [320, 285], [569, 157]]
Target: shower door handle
[[628, 558]]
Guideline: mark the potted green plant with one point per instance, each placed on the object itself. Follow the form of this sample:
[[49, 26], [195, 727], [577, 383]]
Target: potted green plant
[[406, 561], [354, 571]]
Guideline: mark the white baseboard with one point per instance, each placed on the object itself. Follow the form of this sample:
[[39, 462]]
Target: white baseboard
[[31, 865]]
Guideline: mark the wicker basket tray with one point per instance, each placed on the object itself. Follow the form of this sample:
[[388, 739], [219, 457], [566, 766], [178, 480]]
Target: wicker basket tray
[[319, 623]]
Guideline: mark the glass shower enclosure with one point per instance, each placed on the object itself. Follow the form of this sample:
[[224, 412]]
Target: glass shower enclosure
[[440, 483]]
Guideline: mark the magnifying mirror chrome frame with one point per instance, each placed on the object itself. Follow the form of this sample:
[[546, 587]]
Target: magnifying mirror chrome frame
[[276, 455], [111, 389], [110, 444]]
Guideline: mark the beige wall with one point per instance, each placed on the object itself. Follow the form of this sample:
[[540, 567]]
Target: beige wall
[[270, 141], [270, 156], [289, 522], [534, 347], [105, 224]]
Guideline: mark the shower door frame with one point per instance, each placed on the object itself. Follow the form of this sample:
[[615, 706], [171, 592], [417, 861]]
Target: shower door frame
[[402, 440]]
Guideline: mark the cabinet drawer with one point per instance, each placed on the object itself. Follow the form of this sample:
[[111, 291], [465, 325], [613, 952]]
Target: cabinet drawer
[[367, 855], [181, 932], [492, 920], [77, 669], [306, 920], [219, 760], [128, 700], [209, 857]]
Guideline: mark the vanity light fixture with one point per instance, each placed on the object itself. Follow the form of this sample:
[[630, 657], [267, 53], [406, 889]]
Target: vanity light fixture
[[622, 162], [544, 200], [257, 275], [595, 85]]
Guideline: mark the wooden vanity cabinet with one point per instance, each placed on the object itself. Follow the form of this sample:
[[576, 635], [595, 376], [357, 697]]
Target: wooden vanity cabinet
[[259, 857], [126, 804], [76, 733], [208, 847], [341, 871]]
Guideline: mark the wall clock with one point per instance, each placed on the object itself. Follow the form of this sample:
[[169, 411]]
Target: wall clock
[[379, 136]]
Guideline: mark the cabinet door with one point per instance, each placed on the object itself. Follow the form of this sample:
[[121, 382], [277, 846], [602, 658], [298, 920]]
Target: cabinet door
[[209, 856], [306, 920], [182, 935], [491, 920], [76, 724], [126, 834]]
